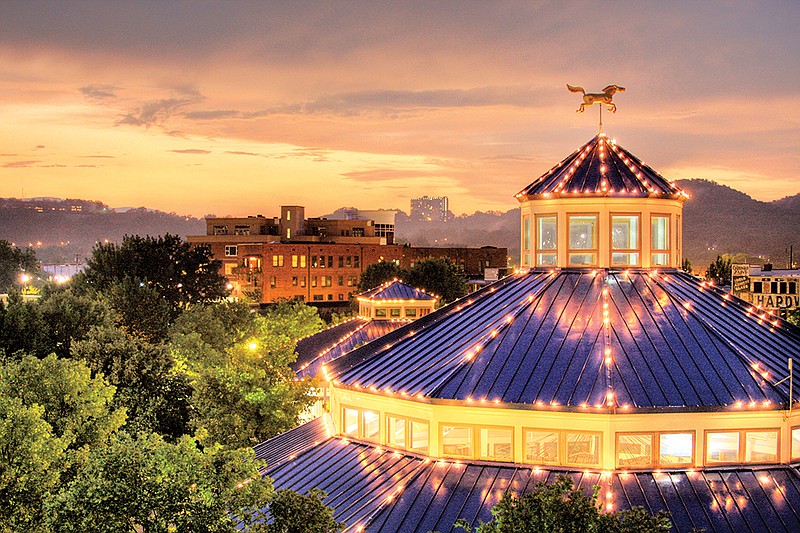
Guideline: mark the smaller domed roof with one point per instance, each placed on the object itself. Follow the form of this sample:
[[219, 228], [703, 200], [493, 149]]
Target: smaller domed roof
[[602, 168], [396, 290]]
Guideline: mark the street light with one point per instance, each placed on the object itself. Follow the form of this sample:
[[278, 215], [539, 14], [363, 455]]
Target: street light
[[24, 278]]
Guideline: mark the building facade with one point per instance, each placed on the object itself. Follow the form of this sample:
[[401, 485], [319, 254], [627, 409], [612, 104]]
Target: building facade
[[431, 209], [767, 288], [316, 259]]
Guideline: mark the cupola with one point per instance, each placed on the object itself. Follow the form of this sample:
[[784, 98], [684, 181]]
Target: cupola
[[601, 207]]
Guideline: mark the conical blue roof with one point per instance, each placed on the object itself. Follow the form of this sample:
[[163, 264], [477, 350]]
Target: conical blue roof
[[601, 168], [637, 339]]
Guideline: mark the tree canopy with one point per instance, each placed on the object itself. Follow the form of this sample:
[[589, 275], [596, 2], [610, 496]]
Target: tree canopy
[[181, 274], [437, 276], [13, 263], [563, 508]]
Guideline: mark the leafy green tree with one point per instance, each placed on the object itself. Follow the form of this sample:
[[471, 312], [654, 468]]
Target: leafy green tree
[[22, 329], [251, 394], [686, 265], [13, 263], [561, 507], [377, 274], [181, 274], [140, 309], [67, 316], [77, 406], [146, 484], [720, 270], [293, 320], [437, 276], [155, 396], [295, 513], [217, 325], [29, 456]]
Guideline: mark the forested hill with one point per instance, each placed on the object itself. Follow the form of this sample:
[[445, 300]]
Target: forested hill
[[717, 220], [68, 229]]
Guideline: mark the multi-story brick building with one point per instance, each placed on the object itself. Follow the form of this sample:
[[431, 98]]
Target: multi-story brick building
[[316, 260]]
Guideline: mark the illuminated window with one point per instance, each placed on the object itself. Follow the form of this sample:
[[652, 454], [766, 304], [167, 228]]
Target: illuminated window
[[419, 436], [229, 268], [546, 241], [411, 312], [457, 440], [675, 449], [583, 449], [302, 261], [394, 312], [659, 240], [795, 442], [582, 240], [635, 450], [749, 446], [722, 447], [541, 446], [371, 425], [380, 313], [407, 433], [526, 232], [273, 282], [625, 240], [496, 443], [294, 261], [761, 447], [231, 250], [277, 260], [350, 421]]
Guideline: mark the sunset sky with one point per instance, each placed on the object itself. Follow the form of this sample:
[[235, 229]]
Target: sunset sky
[[234, 108]]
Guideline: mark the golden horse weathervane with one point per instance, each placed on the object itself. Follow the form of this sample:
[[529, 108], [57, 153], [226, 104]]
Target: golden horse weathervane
[[604, 98]]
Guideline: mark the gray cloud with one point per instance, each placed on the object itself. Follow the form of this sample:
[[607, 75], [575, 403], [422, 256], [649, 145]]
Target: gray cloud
[[237, 152], [157, 112], [98, 91], [191, 151], [20, 164]]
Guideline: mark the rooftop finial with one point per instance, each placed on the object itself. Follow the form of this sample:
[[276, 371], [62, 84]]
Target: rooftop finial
[[604, 99]]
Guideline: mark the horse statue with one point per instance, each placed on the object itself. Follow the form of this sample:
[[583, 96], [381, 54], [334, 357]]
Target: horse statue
[[603, 98]]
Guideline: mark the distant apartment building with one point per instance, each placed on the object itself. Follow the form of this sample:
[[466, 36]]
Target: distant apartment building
[[431, 209], [317, 259], [383, 219]]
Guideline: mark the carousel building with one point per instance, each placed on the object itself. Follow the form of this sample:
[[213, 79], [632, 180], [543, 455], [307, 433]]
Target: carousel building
[[600, 359]]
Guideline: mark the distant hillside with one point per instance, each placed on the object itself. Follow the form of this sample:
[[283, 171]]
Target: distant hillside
[[68, 229], [717, 220]]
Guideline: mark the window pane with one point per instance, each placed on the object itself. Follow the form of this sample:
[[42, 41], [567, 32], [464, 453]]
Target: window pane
[[496, 443], [795, 443], [546, 233], [624, 259], [659, 259], [635, 450], [396, 431], [371, 425], [419, 436], [582, 259], [722, 447], [675, 448], [457, 441], [582, 232], [546, 259], [583, 449], [541, 446], [659, 233], [624, 232], [761, 446], [526, 232], [350, 421]]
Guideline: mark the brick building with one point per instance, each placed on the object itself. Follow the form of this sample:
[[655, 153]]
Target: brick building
[[316, 260]]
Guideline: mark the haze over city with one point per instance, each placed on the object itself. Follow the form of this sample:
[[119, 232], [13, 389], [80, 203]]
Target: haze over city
[[234, 108]]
